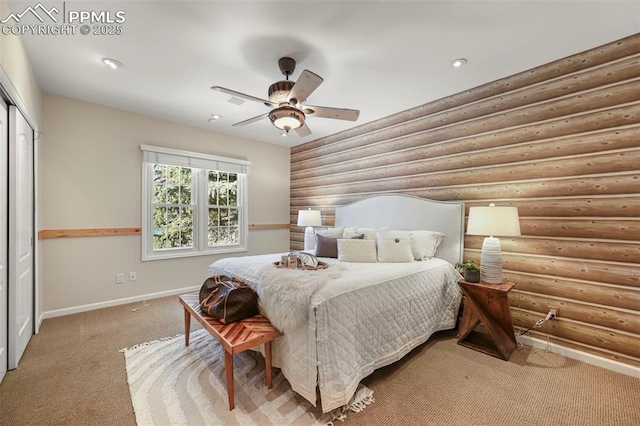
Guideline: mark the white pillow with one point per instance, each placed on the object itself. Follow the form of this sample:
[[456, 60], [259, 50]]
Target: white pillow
[[349, 231], [330, 232], [394, 246], [425, 243], [369, 233], [361, 251]]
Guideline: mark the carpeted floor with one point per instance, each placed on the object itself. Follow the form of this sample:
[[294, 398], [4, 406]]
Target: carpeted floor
[[73, 374]]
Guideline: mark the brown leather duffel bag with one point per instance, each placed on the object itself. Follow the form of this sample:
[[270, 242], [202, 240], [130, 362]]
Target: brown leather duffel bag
[[228, 299]]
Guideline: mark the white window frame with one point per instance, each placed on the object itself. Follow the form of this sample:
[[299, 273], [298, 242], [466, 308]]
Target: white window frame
[[200, 165]]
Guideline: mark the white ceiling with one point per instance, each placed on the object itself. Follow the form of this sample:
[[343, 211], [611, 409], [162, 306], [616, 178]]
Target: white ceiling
[[380, 57]]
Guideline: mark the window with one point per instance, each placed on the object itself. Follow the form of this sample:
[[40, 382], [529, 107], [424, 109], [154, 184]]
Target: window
[[193, 204]]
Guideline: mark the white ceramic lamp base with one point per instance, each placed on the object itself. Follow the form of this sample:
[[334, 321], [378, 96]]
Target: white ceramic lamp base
[[309, 239], [491, 261]]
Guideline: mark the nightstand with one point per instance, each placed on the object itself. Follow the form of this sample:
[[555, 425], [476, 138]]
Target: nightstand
[[487, 304]]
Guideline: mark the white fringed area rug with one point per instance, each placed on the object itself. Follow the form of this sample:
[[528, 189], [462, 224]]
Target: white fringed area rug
[[171, 384]]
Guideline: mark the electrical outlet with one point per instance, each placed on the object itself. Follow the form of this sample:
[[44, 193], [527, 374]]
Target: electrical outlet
[[132, 276], [555, 311], [119, 278]]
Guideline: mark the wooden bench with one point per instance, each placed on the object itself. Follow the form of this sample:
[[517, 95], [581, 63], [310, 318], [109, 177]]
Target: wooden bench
[[234, 338]]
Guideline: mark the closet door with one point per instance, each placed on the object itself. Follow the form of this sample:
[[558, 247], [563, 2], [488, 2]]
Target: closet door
[[21, 276], [4, 306]]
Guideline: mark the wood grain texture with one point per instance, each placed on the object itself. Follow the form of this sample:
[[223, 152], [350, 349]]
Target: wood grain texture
[[87, 232], [257, 227], [560, 142], [473, 133], [593, 249], [615, 318], [451, 155], [106, 232], [615, 296], [611, 52]]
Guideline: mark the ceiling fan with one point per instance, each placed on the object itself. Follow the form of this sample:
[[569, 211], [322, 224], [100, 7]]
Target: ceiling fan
[[288, 101]]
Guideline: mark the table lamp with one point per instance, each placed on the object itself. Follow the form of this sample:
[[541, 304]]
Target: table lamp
[[309, 218], [492, 221]]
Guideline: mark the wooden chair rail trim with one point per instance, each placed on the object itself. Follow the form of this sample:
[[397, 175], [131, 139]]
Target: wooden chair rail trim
[[105, 232], [257, 227], [88, 232]]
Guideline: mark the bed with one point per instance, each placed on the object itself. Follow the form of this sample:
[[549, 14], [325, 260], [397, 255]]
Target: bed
[[347, 320]]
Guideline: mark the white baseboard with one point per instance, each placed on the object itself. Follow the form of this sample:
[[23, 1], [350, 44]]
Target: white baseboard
[[592, 359], [39, 323], [93, 306]]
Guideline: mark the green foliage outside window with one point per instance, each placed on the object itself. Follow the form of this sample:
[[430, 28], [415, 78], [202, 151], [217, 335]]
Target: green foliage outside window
[[222, 191], [172, 207]]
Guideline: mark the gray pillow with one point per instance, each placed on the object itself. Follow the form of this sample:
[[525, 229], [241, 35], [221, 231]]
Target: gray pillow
[[326, 246]]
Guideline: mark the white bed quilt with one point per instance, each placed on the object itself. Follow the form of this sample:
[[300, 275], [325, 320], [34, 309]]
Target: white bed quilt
[[364, 317]]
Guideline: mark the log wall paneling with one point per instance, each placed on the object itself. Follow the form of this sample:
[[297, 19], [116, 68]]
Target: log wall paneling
[[561, 143]]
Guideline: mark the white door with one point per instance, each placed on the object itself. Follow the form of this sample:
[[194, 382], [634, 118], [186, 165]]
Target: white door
[[4, 135], [20, 235]]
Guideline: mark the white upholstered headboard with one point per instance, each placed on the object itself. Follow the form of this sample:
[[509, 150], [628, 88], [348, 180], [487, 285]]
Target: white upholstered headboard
[[407, 213]]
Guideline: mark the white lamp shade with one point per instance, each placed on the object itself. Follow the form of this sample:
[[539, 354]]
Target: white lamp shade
[[493, 220], [309, 218]]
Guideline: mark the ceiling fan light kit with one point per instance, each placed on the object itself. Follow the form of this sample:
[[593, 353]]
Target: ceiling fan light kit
[[287, 118], [287, 98]]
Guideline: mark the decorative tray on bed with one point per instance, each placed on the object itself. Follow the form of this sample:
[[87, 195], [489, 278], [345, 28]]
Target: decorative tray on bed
[[300, 260]]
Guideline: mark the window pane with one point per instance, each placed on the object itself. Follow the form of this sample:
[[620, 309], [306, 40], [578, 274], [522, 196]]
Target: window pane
[[173, 194], [213, 217], [214, 236], [173, 217], [233, 217], [158, 238], [185, 186], [224, 216], [223, 185], [233, 235], [159, 173], [224, 236], [159, 195], [159, 217], [186, 237], [233, 189], [212, 186]]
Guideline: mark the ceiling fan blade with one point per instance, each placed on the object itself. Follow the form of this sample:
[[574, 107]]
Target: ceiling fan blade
[[305, 85], [303, 130], [335, 113], [252, 120], [242, 95]]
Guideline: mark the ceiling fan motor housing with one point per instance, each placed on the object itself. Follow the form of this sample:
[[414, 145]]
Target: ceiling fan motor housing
[[279, 91]]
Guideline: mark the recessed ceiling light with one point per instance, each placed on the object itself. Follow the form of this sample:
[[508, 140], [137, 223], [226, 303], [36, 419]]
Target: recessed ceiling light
[[214, 117], [458, 62], [283, 134], [112, 63]]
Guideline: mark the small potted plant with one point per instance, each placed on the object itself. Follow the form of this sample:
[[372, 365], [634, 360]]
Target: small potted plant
[[470, 271]]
